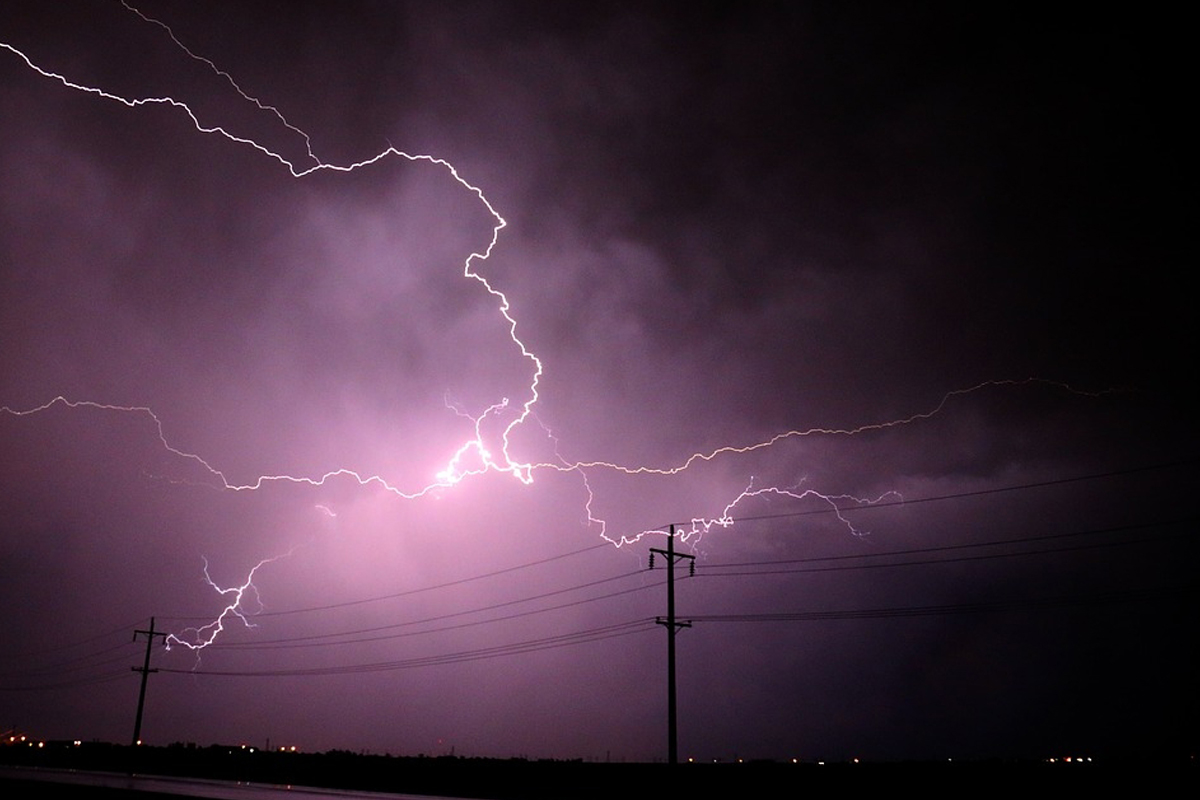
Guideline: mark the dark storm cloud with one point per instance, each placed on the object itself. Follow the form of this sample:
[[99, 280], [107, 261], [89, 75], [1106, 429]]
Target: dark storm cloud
[[722, 223]]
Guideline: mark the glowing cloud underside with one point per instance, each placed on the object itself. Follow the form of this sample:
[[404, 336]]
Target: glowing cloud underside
[[480, 453]]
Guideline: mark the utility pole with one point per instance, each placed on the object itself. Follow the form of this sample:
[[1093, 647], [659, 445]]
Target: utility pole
[[672, 628], [145, 670]]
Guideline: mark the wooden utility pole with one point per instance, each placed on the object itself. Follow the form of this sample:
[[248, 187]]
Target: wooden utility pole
[[145, 670], [672, 627]]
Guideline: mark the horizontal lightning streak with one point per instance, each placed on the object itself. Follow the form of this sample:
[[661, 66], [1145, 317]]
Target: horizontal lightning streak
[[451, 475], [474, 456], [793, 434]]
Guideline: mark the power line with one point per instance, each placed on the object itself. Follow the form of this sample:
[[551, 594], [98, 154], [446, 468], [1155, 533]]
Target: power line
[[1103, 598], [338, 638], [302, 641], [643, 625], [121, 629], [450, 615], [66, 673], [713, 570], [410, 592], [485, 653], [961, 495], [539, 562], [75, 664], [72, 684], [365, 635]]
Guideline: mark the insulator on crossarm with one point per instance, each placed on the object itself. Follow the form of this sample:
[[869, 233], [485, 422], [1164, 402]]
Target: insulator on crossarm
[[691, 569], [651, 561]]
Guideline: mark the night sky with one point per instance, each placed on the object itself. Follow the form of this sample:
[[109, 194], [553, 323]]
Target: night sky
[[714, 226]]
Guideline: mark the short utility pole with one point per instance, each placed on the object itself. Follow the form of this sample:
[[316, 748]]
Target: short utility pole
[[672, 627]]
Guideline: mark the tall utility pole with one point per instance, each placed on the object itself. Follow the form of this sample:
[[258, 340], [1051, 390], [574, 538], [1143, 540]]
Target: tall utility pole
[[145, 670], [672, 628]]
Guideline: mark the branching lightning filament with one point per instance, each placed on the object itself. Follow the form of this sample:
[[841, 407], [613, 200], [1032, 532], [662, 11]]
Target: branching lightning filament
[[488, 448]]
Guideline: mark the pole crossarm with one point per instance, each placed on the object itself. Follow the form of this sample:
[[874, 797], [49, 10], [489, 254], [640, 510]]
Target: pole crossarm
[[678, 624]]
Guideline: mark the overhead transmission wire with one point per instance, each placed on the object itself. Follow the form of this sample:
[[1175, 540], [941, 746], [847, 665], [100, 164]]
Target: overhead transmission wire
[[419, 590], [74, 664], [866, 506], [310, 641], [55, 674], [298, 642], [634, 626], [339, 637], [108, 677], [119, 629], [334, 639], [647, 624], [1100, 598], [528, 646], [709, 567], [807, 512]]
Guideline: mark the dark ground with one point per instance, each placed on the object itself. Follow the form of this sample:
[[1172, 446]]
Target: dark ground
[[500, 779]]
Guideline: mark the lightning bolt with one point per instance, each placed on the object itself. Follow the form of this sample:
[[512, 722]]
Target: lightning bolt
[[490, 458], [481, 452], [228, 79], [697, 527], [203, 636]]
